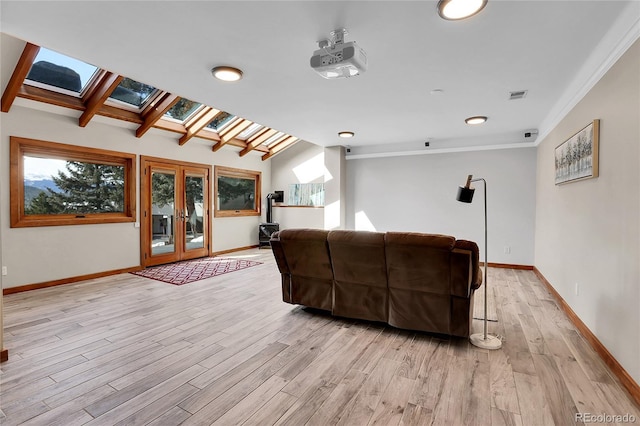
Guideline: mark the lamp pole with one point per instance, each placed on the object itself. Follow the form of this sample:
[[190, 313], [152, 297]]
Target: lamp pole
[[484, 340], [486, 254]]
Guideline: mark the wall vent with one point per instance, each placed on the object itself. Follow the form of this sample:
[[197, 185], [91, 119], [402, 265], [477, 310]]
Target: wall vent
[[519, 94]]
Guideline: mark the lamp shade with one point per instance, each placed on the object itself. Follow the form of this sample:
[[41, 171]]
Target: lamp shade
[[465, 194]]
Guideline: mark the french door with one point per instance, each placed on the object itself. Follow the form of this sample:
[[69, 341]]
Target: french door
[[175, 221]]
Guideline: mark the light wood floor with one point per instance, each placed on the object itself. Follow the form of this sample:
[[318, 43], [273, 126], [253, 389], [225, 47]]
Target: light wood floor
[[126, 350]]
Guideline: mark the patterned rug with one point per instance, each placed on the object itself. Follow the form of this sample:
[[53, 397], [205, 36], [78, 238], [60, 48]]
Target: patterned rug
[[193, 270]]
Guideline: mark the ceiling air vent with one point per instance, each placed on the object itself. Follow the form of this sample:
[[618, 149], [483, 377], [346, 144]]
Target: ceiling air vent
[[519, 94]]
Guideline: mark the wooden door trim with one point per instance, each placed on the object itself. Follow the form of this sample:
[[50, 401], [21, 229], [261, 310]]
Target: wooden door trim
[[146, 162]]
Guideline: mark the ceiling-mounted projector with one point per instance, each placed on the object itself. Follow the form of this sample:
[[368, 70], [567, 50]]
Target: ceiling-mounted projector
[[337, 59]]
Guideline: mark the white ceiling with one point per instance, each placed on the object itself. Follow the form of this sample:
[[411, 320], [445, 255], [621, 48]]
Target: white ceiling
[[553, 49]]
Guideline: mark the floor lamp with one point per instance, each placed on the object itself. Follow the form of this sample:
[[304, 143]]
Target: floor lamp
[[465, 195]]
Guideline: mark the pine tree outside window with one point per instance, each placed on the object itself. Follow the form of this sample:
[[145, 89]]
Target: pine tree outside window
[[58, 184]]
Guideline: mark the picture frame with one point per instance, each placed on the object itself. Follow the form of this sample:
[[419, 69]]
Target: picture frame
[[577, 157]]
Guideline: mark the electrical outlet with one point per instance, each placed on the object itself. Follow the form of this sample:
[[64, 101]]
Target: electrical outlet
[[4, 270], [507, 250], [577, 289]]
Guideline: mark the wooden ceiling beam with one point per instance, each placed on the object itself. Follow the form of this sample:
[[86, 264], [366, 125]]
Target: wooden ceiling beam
[[231, 132], [234, 130], [155, 113], [48, 97], [278, 141], [214, 137], [283, 140], [257, 140], [281, 147], [198, 124], [100, 94], [19, 74]]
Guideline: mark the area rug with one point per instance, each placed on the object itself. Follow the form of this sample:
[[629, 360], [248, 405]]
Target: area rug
[[194, 270]]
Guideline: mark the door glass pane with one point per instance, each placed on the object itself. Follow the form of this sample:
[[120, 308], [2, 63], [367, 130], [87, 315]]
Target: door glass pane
[[163, 207], [194, 200]]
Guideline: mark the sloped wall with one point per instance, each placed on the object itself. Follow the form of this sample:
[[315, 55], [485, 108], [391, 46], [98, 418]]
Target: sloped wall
[[35, 255]]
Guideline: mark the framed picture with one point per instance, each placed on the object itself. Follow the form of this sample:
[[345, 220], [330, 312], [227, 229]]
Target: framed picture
[[577, 157]]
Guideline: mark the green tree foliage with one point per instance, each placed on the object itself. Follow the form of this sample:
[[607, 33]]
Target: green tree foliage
[[163, 188], [182, 109], [45, 203], [85, 188]]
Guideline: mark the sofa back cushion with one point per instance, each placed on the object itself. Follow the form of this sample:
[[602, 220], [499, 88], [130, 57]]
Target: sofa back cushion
[[307, 257], [418, 270], [360, 274]]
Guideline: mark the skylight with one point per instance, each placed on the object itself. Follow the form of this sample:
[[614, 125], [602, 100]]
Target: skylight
[[273, 139], [133, 93], [55, 70], [182, 110], [44, 75], [220, 121], [250, 131]]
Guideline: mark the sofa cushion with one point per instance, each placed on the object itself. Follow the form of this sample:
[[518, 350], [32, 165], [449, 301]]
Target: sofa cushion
[[419, 275], [360, 274]]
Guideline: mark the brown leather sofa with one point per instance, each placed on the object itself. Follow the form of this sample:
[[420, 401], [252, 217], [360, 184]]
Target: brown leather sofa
[[409, 280]]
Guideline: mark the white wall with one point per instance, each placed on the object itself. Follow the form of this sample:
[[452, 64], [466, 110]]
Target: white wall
[[34, 255], [588, 232], [418, 193], [302, 163], [335, 188]]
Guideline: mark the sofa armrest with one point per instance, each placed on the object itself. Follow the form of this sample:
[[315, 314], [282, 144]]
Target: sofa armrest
[[476, 274], [278, 253], [281, 261]]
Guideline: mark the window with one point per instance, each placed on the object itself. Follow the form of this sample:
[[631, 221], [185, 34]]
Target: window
[[250, 131], [237, 192], [60, 73], [58, 184], [133, 93], [220, 121], [182, 110]]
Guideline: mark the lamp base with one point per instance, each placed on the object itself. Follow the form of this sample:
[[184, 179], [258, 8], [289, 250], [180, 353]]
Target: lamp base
[[491, 342]]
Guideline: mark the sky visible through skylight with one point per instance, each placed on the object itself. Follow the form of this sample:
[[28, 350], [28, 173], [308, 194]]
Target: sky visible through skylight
[[82, 68]]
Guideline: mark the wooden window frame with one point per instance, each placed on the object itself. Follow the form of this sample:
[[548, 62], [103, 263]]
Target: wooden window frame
[[21, 146], [242, 174]]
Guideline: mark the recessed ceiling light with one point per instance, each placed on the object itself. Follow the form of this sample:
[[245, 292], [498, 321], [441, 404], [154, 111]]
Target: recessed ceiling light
[[225, 73], [453, 10], [478, 119], [346, 134], [437, 92]]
